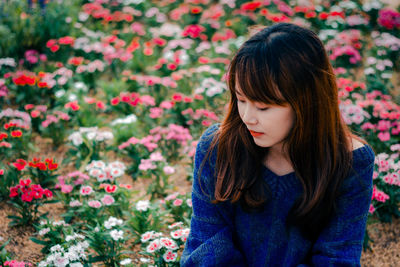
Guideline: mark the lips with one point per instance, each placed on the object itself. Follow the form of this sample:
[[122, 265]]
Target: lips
[[255, 134]]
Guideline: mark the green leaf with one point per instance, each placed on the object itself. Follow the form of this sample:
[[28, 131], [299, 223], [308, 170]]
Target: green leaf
[[97, 259], [38, 241]]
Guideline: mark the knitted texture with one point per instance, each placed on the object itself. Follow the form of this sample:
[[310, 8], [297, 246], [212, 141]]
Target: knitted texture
[[224, 235]]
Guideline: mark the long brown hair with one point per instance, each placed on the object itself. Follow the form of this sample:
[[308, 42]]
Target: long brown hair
[[285, 64]]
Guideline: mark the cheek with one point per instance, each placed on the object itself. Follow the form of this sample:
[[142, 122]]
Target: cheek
[[240, 110]]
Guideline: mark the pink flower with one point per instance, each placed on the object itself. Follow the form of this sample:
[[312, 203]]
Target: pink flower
[[94, 204], [379, 195], [167, 104], [156, 113], [107, 200], [66, 188], [371, 208], [86, 190], [156, 156], [177, 202], [146, 164], [384, 136], [168, 170], [171, 196], [75, 203]]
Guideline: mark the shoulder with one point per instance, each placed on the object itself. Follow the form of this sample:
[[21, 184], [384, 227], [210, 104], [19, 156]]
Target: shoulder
[[362, 169], [207, 137]]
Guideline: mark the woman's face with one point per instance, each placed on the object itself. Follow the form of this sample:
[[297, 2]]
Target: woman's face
[[268, 124]]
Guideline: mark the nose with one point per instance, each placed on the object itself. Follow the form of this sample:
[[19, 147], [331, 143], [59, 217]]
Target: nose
[[249, 115]]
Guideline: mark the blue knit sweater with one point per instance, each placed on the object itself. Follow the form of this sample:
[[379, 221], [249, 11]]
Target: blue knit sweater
[[224, 235]]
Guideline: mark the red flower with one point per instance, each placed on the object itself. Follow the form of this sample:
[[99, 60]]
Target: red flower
[[37, 194], [159, 41], [20, 164], [172, 66], [323, 15], [54, 48], [115, 101], [3, 135], [25, 182], [196, 10], [177, 97], [13, 192], [52, 166], [16, 133], [72, 105], [76, 61], [193, 31], [111, 188], [42, 84], [41, 166], [1, 171], [27, 197], [100, 105], [29, 106], [251, 6], [51, 43], [35, 113], [48, 193], [67, 40]]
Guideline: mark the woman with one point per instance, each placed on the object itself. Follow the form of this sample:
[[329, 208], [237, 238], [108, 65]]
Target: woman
[[282, 181]]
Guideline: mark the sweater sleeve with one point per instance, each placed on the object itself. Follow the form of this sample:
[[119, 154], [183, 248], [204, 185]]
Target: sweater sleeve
[[210, 240], [340, 243]]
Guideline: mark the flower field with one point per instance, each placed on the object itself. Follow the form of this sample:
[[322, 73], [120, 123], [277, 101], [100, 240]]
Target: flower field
[[103, 102]]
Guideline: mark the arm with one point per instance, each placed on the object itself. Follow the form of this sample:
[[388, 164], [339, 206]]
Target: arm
[[210, 240], [340, 243]]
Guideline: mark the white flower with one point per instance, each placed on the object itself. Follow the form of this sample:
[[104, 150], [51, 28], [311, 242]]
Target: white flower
[[69, 238], [170, 256], [127, 120], [76, 138], [116, 172], [61, 261], [59, 93], [144, 260], [153, 246], [125, 261], [111, 222], [57, 248], [76, 264], [117, 164], [168, 170], [57, 223], [44, 231], [142, 205], [116, 234]]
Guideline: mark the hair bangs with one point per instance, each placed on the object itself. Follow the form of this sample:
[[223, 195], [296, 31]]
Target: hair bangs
[[255, 80]]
